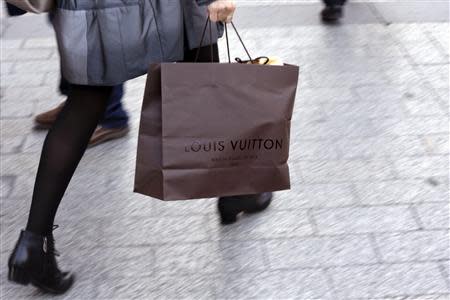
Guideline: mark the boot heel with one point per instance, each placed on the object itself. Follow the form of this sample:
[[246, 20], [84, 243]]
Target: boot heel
[[18, 275]]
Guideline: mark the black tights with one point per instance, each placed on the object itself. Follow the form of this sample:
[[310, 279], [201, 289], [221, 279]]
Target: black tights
[[63, 148], [67, 141]]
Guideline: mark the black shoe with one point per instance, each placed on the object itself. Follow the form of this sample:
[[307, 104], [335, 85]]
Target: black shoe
[[33, 261], [332, 14], [231, 207]]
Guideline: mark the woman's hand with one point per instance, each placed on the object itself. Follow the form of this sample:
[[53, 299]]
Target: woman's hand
[[222, 10]]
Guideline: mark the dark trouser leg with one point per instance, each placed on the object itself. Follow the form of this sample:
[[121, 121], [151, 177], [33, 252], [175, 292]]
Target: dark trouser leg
[[63, 148], [333, 11], [115, 116], [334, 2], [64, 86], [14, 11]]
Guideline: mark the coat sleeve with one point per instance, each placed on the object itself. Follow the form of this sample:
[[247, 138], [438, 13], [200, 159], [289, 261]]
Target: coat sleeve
[[204, 2]]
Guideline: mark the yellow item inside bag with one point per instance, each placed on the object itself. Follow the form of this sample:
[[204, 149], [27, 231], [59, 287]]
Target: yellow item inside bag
[[275, 61]]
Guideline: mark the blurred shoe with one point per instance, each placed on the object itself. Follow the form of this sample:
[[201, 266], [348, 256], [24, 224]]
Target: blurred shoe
[[231, 207], [103, 134], [46, 119], [33, 261], [332, 14]]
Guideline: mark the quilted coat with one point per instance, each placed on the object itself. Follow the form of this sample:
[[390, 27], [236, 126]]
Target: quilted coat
[[106, 42]]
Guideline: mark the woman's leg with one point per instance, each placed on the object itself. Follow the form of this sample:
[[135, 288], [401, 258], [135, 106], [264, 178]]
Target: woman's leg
[[33, 259], [63, 148]]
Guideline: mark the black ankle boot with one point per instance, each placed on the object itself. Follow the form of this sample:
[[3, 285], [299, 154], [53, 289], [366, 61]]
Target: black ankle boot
[[33, 261], [231, 207]]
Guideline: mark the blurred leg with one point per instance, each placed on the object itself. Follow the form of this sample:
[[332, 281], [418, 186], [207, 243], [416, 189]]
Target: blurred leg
[[115, 116], [333, 10], [64, 86], [334, 2], [14, 11]]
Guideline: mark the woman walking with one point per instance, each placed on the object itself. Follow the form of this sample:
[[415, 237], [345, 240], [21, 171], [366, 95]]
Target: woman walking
[[104, 43]]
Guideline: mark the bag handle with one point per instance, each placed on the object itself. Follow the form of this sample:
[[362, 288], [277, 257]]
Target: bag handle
[[208, 22]]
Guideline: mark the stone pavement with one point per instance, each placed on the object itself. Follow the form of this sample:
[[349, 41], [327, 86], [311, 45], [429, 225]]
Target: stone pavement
[[368, 213]]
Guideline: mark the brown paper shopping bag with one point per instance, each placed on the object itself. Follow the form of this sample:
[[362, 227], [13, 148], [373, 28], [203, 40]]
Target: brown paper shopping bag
[[210, 129], [215, 130]]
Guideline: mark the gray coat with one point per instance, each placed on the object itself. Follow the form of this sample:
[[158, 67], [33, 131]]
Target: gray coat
[[106, 42]]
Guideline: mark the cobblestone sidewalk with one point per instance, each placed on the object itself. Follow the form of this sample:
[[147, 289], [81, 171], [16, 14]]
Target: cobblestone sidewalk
[[368, 213]]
